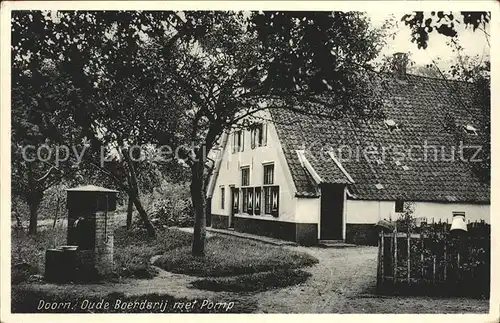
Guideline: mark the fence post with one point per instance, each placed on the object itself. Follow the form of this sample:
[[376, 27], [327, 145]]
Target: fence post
[[382, 260], [395, 261], [408, 260], [422, 255], [379, 257], [445, 260]]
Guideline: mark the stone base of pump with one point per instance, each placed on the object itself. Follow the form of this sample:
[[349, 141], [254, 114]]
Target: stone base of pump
[[64, 265]]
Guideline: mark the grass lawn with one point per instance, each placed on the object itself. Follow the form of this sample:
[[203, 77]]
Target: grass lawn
[[132, 250], [230, 256], [29, 251], [231, 264], [256, 282]]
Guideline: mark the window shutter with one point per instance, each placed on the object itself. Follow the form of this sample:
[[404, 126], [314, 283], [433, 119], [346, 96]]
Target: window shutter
[[235, 200], [275, 200], [244, 197], [250, 201], [257, 201]]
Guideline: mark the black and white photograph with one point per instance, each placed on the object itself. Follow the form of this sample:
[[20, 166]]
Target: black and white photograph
[[219, 160]]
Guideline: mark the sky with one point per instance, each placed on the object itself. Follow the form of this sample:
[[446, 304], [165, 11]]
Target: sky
[[474, 42]]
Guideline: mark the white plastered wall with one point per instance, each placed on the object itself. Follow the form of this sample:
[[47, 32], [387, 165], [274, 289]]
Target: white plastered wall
[[361, 211], [230, 174]]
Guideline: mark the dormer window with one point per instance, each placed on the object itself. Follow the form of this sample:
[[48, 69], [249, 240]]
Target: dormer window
[[258, 135], [238, 141], [391, 124], [470, 130]]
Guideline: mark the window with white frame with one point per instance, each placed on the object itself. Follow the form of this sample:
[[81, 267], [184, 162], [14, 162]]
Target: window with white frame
[[271, 192], [222, 197], [245, 182], [269, 174], [245, 176]]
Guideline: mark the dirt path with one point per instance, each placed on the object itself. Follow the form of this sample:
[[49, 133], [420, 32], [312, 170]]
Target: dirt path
[[344, 282], [340, 273]]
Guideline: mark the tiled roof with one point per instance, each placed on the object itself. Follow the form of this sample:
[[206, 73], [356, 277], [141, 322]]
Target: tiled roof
[[326, 168], [420, 106], [91, 188]]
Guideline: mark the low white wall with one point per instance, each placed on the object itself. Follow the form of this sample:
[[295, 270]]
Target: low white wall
[[307, 210], [444, 211], [360, 211]]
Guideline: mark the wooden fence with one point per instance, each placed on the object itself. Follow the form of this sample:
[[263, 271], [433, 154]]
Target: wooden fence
[[431, 255]]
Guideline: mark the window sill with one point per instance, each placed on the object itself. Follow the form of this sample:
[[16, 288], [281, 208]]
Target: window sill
[[267, 217], [258, 147]]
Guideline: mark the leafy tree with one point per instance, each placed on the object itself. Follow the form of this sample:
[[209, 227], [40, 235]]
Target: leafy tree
[[35, 135], [80, 45], [444, 23]]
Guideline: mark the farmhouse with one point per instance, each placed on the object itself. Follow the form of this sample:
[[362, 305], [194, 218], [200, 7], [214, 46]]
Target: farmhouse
[[307, 178]]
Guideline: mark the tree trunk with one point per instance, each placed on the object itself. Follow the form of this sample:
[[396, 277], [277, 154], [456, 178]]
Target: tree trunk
[[130, 208], [198, 198], [134, 195], [144, 216], [33, 204]]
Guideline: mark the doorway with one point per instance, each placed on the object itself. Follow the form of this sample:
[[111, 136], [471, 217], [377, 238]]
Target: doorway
[[332, 212], [234, 199]]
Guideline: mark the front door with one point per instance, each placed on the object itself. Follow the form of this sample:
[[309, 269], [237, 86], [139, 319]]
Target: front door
[[234, 199], [332, 212]]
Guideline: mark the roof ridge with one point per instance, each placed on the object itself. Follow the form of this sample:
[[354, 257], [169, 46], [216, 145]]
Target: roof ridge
[[428, 77], [440, 78]]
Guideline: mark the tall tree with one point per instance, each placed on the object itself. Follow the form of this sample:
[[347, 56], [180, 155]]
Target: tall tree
[[37, 162], [82, 45], [245, 60]]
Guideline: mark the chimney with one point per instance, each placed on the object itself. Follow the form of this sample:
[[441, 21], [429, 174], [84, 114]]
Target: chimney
[[399, 63]]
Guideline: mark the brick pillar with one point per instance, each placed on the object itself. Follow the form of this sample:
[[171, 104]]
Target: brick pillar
[[104, 242]]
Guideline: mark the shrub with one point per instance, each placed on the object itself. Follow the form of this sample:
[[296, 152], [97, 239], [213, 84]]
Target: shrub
[[452, 263], [171, 206]]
